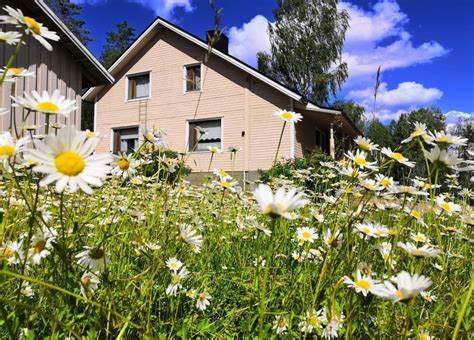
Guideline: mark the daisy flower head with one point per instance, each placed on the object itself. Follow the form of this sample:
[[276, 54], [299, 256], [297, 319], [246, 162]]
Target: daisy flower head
[[9, 147], [155, 136], [444, 139], [53, 104], [222, 174], [306, 234], [419, 132], [424, 251], [189, 235], [203, 300], [10, 37], [362, 284], [370, 185], [122, 165], [177, 281], [13, 73], [224, 184], [214, 149], [419, 237], [26, 289], [366, 144], [93, 259], [312, 320], [280, 204], [280, 325], [288, 116], [174, 264], [384, 180], [442, 157], [89, 283], [31, 26], [67, 159], [13, 252], [407, 287], [360, 159], [448, 207], [41, 243], [333, 240], [397, 156], [333, 326]]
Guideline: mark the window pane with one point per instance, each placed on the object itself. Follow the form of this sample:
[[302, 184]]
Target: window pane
[[126, 139], [193, 78], [211, 138], [139, 86]]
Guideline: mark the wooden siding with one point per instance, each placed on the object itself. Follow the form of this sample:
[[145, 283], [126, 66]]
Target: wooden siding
[[53, 70], [245, 105]]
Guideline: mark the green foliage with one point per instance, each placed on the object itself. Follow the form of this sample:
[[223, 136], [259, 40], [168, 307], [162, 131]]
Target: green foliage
[[68, 12], [117, 42], [354, 111], [304, 170], [307, 40], [165, 159]]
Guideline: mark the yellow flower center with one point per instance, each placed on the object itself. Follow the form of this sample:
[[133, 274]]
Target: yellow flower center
[[443, 139], [392, 232], [281, 323], [7, 252], [306, 235], [33, 25], [86, 281], [14, 70], [398, 156], [385, 182], [417, 133], [123, 164], [48, 107], [400, 294], [366, 230], [360, 161], [91, 134], [213, 149], [223, 173], [281, 207], [176, 279], [267, 209], [225, 184], [446, 206], [7, 150], [424, 337], [313, 321], [416, 214], [70, 163], [420, 238], [386, 257], [173, 265], [364, 284], [286, 115], [364, 146], [39, 246], [202, 296]]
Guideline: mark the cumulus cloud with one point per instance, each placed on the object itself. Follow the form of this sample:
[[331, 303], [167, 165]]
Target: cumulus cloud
[[454, 116], [364, 50], [250, 38], [407, 93], [163, 8]]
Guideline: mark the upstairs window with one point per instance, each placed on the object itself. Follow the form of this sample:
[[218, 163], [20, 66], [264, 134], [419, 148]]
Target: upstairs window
[[125, 139], [212, 137], [193, 77], [139, 86]]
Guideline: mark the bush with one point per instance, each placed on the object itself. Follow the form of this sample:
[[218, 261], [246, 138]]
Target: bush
[[165, 165]]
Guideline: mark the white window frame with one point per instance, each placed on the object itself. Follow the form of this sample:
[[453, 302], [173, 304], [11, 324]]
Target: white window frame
[[189, 121], [185, 79], [127, 85], [122, 127]]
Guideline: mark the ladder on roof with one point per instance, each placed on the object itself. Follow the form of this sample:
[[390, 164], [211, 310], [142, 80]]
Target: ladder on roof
[[142, 113]]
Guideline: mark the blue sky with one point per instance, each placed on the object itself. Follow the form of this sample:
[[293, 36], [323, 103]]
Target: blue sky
[[425, 47]]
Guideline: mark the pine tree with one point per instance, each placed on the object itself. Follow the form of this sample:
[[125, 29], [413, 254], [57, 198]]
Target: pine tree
[[68, 13], [306, 47], [117, 43]]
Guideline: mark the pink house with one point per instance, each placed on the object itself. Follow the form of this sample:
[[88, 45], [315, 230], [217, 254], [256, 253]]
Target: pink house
[[163, 80]]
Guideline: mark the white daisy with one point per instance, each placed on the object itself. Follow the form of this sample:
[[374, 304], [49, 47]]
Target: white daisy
[[54, 104], [214, 149], [407, 287], [93, 259], [189, 235], [41, 243], [122, 165], [202, 301], [67, 159], [10, 37], [443, 138], [312, 319], [360, 159], [9, 148], [279, 204], [177, 281], [174, 264], [366, 144], [31, 26], [448, 207], [442, 157], [288, 116], [89, 283], [223, 175], [362, 284], [26, 289], [424, 251], [12, 251], [419, 132], [306, 234], [280, 324], [397, 156]]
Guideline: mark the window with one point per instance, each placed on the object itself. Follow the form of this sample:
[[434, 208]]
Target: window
[[317, 136], [139, 86], [125, 139], [193, 78], [212, 137]]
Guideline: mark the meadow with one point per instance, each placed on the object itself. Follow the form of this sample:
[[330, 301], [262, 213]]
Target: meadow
[[122, 246]]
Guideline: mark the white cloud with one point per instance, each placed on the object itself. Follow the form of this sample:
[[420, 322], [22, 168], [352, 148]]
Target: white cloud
[[163, 8], [454, 116], [250, 38], [407, 93], [364, 50]]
